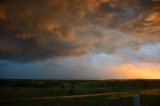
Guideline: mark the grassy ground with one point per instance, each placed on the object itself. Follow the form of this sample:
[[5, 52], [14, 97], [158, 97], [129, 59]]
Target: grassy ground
[[84, 93], [147, 98]]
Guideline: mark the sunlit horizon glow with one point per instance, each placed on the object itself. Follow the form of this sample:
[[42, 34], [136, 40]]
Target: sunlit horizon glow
[[80, 39], [131, 71]]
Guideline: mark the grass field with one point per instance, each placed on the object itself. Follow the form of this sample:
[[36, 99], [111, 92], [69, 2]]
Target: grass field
[[78, 93]]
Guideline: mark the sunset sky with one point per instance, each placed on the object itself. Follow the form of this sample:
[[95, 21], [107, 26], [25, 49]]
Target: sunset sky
[[80, 39]]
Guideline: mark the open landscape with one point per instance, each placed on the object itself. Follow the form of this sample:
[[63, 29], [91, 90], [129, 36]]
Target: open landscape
[[79, 52], [78, 92]]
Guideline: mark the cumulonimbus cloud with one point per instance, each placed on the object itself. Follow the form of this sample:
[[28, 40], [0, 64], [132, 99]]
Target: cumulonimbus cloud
[[42, 29]]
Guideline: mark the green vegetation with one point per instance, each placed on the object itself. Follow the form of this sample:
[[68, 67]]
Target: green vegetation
[[78, 93]]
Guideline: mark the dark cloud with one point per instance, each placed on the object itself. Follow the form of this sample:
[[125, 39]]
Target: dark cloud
[[42, 29]]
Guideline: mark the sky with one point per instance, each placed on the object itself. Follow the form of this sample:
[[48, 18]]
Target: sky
[[80, 39]]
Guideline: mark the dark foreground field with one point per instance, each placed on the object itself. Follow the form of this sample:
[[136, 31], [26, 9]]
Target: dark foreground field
[[79, 93]]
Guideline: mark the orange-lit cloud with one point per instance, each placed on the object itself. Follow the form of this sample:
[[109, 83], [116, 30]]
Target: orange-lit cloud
[[44, 29], [3, 7], [153, 16]]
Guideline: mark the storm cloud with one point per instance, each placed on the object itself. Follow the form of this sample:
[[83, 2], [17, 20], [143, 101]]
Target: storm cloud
[[42, 29]]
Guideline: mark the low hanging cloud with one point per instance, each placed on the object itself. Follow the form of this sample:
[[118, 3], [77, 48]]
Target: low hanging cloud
[[42, 29]]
